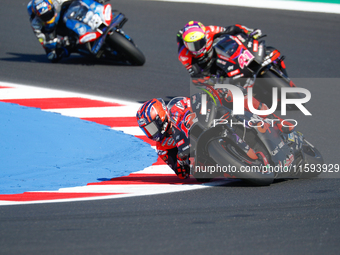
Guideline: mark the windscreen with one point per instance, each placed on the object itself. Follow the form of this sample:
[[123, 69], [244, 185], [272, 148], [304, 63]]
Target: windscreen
[[226, 46]]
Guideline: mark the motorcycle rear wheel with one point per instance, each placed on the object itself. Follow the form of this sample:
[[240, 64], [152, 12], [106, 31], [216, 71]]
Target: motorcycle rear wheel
[[225, 153], [118, 42]]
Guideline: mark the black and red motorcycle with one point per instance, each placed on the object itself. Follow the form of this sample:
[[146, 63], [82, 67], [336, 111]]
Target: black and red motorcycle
[[245, 146], [241, 57]]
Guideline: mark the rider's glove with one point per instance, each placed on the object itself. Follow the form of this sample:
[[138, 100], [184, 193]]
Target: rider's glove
[[55, 55], [183, 172], [183, 168], [52, 55], [64, 41], [57, 43], [256, 33]]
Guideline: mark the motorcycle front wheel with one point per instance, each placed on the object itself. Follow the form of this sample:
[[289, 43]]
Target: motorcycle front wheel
[[239, 165], [313, 158], [126, 48], [264, 85]]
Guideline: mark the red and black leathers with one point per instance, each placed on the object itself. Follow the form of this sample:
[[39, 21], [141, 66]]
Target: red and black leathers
[[204, 65], [174, 148]]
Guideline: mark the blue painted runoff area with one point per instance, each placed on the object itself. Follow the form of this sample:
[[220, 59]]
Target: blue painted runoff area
[[44, 151]]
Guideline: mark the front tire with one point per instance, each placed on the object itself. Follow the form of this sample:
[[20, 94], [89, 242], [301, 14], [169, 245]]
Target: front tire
[[225, 153], [312, 157], [264, 85], [126, 48]]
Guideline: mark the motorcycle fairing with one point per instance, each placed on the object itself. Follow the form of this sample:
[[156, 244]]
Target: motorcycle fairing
[[235, 53], [88, 19]]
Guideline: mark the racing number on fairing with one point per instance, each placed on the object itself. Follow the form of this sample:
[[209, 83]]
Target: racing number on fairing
[[189, 120], [245, 58], [93, 20]]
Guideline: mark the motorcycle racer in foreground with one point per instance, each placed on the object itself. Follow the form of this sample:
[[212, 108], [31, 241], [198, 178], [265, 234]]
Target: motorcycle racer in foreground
[[172, 143], [170, 127]]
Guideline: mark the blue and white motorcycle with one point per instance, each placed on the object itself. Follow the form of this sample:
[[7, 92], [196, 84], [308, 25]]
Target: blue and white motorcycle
[[95, 29]]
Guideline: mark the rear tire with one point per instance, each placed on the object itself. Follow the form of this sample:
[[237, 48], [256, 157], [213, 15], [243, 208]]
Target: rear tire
[[226, 154], [126, 48]]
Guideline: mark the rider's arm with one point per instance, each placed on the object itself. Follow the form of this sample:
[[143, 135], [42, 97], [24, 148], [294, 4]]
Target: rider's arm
[[185, 57], [182, 168], [54, 47], [37, 25], [44, 38], [181, 121], [237, 29], [217, 31], [170, 155]]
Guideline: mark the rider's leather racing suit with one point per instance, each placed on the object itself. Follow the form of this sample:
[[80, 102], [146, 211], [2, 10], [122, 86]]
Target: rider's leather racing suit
[[204, 65], [55, 47], [174, 148]]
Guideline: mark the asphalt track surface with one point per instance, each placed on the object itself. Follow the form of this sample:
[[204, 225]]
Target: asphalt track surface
[[288, 217]]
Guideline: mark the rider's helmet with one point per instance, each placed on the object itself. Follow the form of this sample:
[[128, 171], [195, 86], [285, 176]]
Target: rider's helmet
[[194, 37], [45, 10], [152, 118]]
